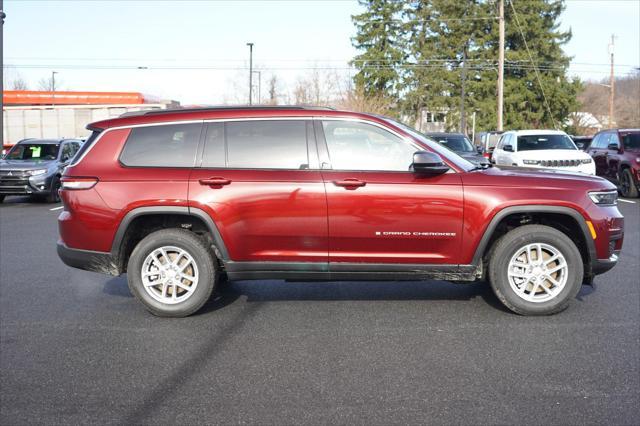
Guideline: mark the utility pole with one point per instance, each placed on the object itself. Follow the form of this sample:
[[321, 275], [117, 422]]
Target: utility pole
[[611, 83], [250, 71], [463, 77], [53, 87], [500, 65]]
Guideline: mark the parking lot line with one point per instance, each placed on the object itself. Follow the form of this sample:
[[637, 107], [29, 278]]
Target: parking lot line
[[626, 201], [56, 208]]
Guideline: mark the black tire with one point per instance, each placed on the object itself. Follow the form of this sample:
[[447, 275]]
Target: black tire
[[196, 248], [54, 196], [628, 188], [507, 246], [2, 198]]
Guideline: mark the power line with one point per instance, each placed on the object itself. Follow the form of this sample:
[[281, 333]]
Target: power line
[[526, 45]]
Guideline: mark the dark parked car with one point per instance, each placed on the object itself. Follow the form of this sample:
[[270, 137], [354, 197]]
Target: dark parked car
[[616, 153], [582, 142], [178, 199], [34, 167], [460, 144]]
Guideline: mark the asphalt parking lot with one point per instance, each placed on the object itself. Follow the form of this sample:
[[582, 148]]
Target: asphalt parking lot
[[77, 348]]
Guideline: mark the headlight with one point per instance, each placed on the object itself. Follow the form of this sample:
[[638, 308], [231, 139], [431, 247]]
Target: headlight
[[531, 161], [637, 159], [609, 198], [37, 172], [586, 160]]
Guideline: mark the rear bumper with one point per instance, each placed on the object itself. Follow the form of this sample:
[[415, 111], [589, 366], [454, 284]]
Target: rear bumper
[[94, 261]]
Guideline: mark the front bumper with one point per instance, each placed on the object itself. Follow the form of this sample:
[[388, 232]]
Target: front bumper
[[22, 184], [94, 261], [600, 266]]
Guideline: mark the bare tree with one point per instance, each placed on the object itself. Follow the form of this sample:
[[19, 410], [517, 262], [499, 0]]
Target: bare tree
[[18, 83], [595, 99], [48, 84], [273, 90]]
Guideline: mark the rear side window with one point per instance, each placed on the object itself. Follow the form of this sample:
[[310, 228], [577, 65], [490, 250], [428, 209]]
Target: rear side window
[[275, 144], [172, 145]]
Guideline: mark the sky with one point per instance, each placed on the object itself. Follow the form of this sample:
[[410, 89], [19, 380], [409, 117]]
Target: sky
[[99, 45]]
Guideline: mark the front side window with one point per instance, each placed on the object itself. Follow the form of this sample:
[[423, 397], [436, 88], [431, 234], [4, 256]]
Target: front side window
[[267, 144], [172, 145], [67, 152], [361, 146], [33, 151], [540, 142]]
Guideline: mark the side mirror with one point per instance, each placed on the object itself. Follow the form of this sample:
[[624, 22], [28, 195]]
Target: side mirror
[[428, 163], [508, 148], [613, 147]]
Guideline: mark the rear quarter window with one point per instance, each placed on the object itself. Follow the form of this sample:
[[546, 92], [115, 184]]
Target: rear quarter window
[[172, 145]]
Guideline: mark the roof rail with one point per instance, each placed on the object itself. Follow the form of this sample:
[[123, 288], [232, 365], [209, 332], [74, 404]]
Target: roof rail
[[225, 108]]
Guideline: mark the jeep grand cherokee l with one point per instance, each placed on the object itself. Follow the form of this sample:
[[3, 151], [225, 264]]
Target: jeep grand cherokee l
[[179, 199]]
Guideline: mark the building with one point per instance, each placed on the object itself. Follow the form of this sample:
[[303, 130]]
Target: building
[[37, 114]]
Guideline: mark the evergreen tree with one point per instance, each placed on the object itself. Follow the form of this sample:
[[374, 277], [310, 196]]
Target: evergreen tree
[[380, 40], [445, 56]]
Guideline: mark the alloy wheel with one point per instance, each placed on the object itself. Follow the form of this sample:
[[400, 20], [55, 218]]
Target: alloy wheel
[[169, 274], [537, 272]]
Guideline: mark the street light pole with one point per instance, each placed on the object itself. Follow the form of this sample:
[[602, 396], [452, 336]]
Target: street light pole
[[250, 71]]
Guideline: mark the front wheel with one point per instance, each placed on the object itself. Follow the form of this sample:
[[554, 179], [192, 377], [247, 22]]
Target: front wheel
[[54, 195], [172, 272], [628, 188], [536, 270]]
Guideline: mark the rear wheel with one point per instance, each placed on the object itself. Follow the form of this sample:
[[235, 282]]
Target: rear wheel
[[172, 272], [628, 187], [536, 270]]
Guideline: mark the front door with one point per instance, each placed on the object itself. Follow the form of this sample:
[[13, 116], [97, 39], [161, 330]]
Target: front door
[[259, 181], [378, 210]]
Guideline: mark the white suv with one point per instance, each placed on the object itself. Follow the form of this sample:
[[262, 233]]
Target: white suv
[[548, 149]]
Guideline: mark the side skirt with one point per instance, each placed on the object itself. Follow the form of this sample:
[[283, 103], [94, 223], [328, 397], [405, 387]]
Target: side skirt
[[310, 271]]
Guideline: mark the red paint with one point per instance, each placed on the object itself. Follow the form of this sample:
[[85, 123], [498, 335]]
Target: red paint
[[319, 216]]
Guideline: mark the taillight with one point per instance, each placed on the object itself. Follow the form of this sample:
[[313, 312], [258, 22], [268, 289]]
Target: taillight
[[77, 183], [486, 155]]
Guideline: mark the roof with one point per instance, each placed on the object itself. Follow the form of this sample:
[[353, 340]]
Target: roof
[[443, 134], [537, 132], [46, 141], [37, 97], [212, 113]]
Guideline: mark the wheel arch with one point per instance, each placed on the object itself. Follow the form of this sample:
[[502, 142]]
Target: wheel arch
[[571, 221], [152, 218]]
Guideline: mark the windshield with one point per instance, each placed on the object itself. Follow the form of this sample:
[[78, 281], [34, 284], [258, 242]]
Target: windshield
[[454, 142], [631, 141], [437, 148], [33, 151], [538, 142]]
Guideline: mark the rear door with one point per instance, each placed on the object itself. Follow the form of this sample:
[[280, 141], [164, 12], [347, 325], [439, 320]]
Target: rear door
[[378, 210], [260, 182]]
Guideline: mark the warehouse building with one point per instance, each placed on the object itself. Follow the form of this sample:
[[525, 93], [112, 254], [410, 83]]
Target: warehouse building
[[37, 114]]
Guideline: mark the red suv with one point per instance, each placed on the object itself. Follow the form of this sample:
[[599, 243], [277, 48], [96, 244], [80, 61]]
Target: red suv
[[616, 154], [182, 199]]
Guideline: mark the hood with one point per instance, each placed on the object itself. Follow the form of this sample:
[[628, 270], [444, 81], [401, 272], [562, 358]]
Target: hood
[[25, 164], [523, 177], [553, 154]]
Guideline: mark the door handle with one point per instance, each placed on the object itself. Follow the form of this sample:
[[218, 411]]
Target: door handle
[[215, 181], [349, 183]]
